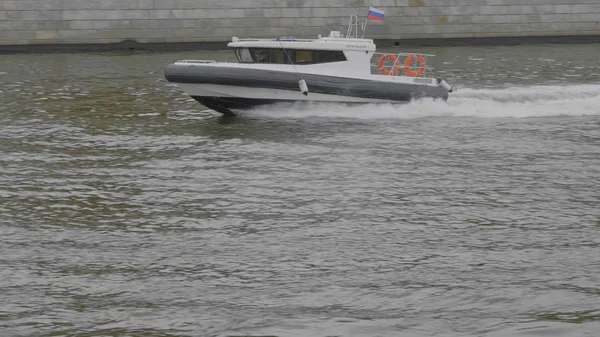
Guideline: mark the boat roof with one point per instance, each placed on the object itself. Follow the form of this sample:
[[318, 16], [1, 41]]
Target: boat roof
[[332, 42]]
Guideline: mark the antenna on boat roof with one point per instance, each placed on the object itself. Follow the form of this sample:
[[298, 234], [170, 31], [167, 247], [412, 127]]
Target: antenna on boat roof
[[353, 25], [373, 14]]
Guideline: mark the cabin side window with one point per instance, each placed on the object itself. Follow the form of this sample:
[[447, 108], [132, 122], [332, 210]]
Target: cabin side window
[[269, 55], [279, 56], [316, 56], [326, 56], [304, 56], [288, 56]]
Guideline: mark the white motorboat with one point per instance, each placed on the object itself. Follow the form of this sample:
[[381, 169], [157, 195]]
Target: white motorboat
[[335, 68]]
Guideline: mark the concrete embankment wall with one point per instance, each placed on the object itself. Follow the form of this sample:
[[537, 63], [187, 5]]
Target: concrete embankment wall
[[34, 22]]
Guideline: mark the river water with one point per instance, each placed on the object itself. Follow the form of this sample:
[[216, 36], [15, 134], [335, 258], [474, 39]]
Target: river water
[[127, 209]]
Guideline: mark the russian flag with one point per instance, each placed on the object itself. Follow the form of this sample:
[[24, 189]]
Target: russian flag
[[375, 14]]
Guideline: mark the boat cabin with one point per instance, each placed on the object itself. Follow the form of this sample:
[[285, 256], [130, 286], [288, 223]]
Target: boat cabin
[[347, 55], [290, 50]]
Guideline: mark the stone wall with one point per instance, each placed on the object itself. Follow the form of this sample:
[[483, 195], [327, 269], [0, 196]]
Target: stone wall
[[24, 22]]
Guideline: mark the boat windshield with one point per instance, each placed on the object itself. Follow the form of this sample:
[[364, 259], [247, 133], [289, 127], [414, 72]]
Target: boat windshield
[[243, 55], [288, 56]]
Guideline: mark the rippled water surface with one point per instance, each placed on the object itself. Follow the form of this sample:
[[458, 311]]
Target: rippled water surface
[[127, 209]]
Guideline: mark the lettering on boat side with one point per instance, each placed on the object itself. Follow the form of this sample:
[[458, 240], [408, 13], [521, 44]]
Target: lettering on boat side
[[356, 46]]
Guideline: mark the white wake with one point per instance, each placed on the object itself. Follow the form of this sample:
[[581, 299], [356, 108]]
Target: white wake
[[515, 102]]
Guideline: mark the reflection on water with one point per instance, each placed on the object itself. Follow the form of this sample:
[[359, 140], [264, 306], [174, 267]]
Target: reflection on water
[[129, 209]]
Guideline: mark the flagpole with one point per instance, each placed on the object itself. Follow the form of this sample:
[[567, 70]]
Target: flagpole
[[364, 27]]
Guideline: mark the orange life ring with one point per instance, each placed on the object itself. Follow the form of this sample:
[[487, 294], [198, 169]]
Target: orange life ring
[[392, 58], [411, 72]]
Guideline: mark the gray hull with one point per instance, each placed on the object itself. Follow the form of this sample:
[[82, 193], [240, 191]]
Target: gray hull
[[267, 79]]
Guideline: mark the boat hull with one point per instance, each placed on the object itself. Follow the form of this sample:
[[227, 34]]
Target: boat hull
[[226, 89], [227, 99], [227, 105]]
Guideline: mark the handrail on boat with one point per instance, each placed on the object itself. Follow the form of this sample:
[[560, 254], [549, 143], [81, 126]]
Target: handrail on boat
[[274, 39], [197, 61], [389, 65]]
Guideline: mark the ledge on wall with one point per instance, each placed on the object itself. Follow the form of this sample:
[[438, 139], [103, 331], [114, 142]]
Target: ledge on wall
[[491, 41], [132, 45], [126, 45]]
